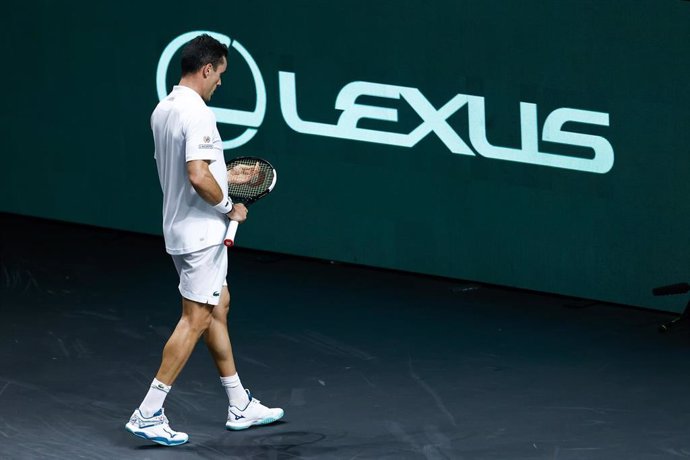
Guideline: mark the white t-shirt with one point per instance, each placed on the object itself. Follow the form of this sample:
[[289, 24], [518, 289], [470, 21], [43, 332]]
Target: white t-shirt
[[184, 129]]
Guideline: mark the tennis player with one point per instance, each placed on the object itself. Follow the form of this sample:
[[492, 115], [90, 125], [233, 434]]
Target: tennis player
[[196, 209]]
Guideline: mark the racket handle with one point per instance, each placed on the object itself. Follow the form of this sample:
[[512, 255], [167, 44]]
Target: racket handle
[[229, 240]]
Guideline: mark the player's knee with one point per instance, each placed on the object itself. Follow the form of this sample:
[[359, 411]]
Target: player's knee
[[202, 323], [200, 320]]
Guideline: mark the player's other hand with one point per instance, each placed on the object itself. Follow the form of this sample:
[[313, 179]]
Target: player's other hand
[[238, 213], [243, 174]]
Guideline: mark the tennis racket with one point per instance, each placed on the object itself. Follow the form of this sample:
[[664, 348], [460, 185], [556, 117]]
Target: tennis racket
[[249, 179]]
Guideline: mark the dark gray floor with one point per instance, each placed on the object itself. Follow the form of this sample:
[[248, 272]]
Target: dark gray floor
[[367, 364]]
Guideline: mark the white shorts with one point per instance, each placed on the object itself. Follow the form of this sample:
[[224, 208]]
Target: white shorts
[[202, 273]]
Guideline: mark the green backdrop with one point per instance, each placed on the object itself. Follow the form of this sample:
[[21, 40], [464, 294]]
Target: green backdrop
[[80, 84]]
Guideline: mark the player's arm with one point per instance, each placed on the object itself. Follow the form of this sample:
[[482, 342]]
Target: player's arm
[[208, 189]]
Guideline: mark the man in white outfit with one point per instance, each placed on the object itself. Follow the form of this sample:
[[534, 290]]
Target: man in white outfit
[[196, 213]]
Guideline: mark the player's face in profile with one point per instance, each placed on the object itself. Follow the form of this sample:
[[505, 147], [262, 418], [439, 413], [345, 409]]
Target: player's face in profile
[[213, 79]]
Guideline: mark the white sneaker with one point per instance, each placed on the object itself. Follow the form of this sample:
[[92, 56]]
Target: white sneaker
[[156, 429], [254, 414]]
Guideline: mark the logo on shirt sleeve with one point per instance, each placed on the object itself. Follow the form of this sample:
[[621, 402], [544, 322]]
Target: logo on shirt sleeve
[[206, 143]]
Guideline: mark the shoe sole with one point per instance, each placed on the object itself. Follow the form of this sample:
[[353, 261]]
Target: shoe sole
[[263, 421], [156, 439]]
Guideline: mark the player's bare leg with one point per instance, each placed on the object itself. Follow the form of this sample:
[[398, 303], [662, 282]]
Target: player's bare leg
[[149, 420], [195, 321], [243, 410], [217, 337]]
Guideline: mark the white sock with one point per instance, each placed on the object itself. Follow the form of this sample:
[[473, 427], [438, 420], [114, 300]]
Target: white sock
[[236, 394], [153, 402]]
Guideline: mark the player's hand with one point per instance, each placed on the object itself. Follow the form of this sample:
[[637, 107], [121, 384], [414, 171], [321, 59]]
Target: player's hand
[[238, 213], [243, 174]]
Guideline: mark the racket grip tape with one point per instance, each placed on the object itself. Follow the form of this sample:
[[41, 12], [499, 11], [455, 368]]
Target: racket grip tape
[[229, 240]]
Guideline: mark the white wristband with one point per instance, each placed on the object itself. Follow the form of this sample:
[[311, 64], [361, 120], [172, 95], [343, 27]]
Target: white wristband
[[224, 206]]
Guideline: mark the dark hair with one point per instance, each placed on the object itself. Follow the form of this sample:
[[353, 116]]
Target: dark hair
[[202, 50]]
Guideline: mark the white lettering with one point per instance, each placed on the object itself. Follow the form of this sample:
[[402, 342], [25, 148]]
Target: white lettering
[[434, 120]]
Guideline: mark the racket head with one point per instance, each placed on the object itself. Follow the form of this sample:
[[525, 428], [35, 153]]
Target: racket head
[[257, 178]]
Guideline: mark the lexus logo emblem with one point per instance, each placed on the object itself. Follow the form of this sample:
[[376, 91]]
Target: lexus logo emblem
[[252, 120]]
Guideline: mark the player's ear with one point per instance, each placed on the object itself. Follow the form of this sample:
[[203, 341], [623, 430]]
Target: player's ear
[[206, 70]]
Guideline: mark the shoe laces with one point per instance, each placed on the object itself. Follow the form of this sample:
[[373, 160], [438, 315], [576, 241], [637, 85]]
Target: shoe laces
[[157, 417]]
